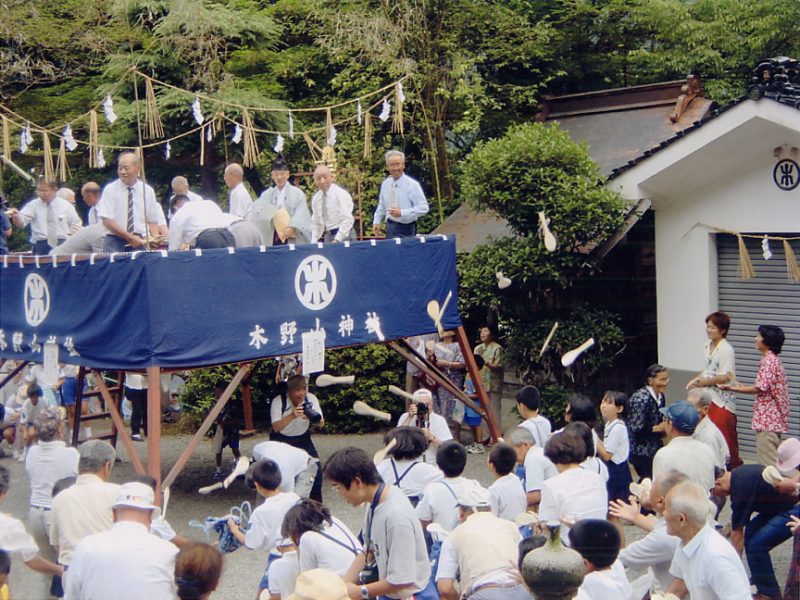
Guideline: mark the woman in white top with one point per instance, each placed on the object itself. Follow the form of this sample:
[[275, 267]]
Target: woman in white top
[[323, 541], [574, 494], [720, 369]]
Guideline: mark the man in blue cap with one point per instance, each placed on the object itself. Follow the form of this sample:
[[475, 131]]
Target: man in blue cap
[[682, 452]]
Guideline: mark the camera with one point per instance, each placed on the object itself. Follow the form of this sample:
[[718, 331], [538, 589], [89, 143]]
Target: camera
[[369, 574], [312, 415], [422, 409]]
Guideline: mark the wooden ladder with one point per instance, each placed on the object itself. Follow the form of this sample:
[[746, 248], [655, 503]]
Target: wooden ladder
[[116, 393]]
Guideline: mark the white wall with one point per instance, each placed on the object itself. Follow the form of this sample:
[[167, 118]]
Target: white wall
[[686, 260]]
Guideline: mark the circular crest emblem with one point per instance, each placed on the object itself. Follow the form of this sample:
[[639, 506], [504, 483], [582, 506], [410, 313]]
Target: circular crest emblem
[[786, 174], [36, 299], [315, 282]]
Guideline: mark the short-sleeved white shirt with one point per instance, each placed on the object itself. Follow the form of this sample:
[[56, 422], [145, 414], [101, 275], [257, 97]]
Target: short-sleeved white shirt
[[708, 433], [192, 219], [36, 211], [416, 478], [15, 540], [296, 426], [615, 439], [46, 463], [320, 552], [438, 504], [538, 468], [44, 380], [266, 521], [690, 457], [437, 425], [711, 568], [610, 583], [283, 574], [574, 493], [114, 205], [291, 461], [240, 201], [655, 550], [540, 428], [508, 497]]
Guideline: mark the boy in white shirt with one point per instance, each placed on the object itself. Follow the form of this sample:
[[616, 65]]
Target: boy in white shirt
[[438, 504], [528, 399], [266, 520], [598, 543], [507, 494]]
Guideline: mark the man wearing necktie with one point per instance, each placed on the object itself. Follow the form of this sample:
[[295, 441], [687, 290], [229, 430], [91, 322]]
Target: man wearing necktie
[[331, 209], [401, 201], [128, 206], [49, 216]]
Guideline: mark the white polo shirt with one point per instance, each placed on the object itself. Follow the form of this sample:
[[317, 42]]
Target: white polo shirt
[[46, 463], [692, 458], [438, 504], [607, 584], [126, 562], [508, 497], [291, 461], [320, 552], [540, 429], [575, 493], [266, 521], [711, 568]]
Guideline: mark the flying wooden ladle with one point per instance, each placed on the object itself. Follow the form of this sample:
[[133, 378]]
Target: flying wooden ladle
[[326, 380], [548, 339], [571, 356], [502, 281], [436, 313], [550, 243], [365, 410], [400, 392], [380, 455]]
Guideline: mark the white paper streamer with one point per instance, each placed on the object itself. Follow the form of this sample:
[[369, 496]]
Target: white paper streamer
[[331, 141], [28, 134], [101, 161], [291, 125], [278, 144], [69, 140], [167, 151], [209, 134], [765, 248], [237, 134], [359, 113], [23, 142], [108, 109], [400, 94], [386, 110], [197, 111]]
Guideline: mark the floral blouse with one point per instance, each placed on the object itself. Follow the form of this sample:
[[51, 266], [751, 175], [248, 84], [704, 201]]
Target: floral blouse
[[771, 408], [642, 416]]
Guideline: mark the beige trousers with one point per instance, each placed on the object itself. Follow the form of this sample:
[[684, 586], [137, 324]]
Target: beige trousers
[[767, 443]]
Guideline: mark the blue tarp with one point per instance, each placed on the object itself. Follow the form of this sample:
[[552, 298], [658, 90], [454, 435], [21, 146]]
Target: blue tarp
[[179, 309]]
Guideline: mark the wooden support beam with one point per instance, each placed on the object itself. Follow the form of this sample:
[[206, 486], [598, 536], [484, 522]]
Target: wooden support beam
[[247, 402], [76, 418], [153, 425], [119, 423], [477, 382], [206, 425], [13, 373], [423, 364]]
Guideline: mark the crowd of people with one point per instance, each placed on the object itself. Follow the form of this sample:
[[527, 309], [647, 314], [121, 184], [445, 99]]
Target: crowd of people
[[125, 216], [428, 531]]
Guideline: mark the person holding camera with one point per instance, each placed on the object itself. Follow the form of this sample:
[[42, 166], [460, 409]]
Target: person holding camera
[[434, 426], [293, 413], [394, 562]]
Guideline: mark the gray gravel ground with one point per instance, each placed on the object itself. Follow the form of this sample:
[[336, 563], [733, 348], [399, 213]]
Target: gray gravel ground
[[243, 568]]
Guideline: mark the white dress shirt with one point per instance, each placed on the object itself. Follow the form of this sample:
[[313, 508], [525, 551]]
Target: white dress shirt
[[192, 219], [655, 550], [127, 562], [114, 205], [91, 217], [46, 463], [36, 213], [240, 201], [711, 568], [708, 433], [576, 494], [692, 458], [335, 212]]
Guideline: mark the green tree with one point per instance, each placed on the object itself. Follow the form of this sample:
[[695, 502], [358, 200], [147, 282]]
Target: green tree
[[537, 168]]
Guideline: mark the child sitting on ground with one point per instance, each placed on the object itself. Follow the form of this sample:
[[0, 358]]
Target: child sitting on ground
[[32, 406], [266, 520], [598, 543], [507, 494]]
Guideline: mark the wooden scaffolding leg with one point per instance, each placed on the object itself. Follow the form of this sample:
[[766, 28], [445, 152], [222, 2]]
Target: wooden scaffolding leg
[[116, 417], [247, 402], [13, 373], [209, 420], [76, 418], [477, 382], [154, 423]]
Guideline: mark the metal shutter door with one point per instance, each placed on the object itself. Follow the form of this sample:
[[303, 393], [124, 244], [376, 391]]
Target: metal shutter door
[[767, 299]]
